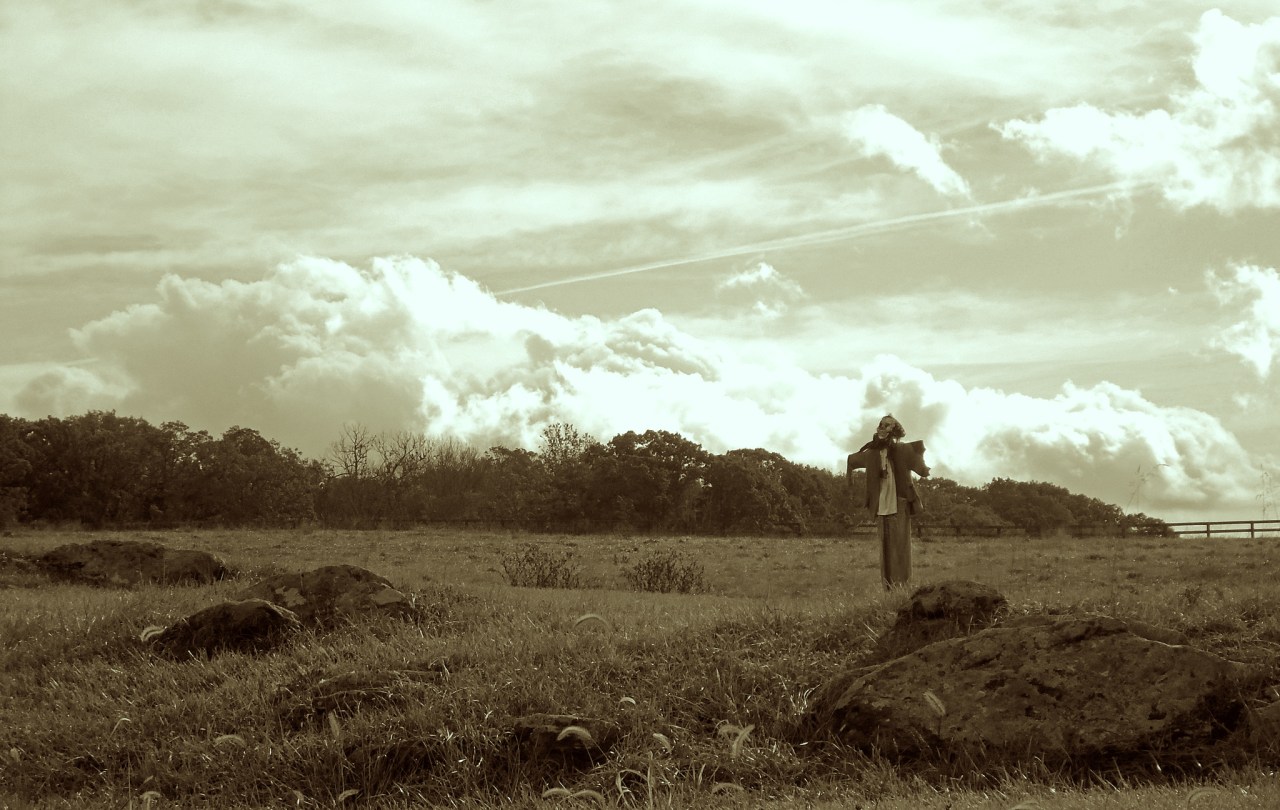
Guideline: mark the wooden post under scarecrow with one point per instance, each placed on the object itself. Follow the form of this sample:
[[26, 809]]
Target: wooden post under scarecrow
[[891, 494]]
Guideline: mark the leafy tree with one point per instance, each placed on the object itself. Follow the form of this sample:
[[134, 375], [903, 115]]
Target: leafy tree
[[949, 503], [563, 445], [255, 481], [15, 469], [567, 454], [745, 492], [98, 468], [514, 486], [652, 479], [184, 476], [1027, 505]]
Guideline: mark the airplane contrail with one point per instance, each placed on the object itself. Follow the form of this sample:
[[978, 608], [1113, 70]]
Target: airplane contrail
[[835, 234]]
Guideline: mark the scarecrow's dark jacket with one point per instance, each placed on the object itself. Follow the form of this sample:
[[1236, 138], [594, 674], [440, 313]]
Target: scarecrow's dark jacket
[[868, 458]]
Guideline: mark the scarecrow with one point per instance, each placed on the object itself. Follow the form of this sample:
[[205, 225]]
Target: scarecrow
[[891, 497]]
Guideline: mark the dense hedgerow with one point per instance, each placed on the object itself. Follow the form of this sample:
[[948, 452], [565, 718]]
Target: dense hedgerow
[[101, 469]]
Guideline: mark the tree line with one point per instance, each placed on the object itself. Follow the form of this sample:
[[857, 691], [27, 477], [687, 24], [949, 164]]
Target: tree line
[[102, 470]]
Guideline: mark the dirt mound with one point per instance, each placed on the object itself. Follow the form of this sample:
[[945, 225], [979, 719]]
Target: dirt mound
[[249, 626], [131, 562], [333, 593], [1056, 690]]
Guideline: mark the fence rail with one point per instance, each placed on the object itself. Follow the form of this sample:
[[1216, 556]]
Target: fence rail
[[1073, 530], [1208, 528], [1268, 527]]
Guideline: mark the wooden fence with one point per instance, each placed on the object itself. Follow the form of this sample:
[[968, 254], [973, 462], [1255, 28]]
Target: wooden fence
[[1208, 528], [1193, 528]]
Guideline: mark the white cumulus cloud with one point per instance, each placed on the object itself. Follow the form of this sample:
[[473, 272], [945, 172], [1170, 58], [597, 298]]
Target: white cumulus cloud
[[1216, 144], [1255, 338], [878, 132], [404, 344]]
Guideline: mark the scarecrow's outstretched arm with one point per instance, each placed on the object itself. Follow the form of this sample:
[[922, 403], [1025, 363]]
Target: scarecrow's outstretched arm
[[860, 460]]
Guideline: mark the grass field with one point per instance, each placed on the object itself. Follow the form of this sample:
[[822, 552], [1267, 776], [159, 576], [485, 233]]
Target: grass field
[[89, 718]]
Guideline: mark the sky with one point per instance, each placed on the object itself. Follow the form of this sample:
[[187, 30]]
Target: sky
[[1044, 235]]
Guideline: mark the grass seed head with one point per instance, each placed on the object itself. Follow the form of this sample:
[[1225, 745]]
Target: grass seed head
[[231, 739], [935, 703], [578, 733], [735, 750], [593, 617]]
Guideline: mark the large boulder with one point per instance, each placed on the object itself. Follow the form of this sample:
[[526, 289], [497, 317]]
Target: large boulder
[[131, 562], [248, 626], [1070, 690], [333, 593]]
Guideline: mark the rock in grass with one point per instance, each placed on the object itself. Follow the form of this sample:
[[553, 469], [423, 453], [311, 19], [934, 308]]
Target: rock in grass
[[333, 593], [131, 562], [378, 766], [564, 738], [315, 695], [17, 570], [1264, 726], [249, 626], [1069, 691]]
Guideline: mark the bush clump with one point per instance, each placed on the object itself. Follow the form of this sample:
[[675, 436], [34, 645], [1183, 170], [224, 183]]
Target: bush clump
[[667, 572], [533, 567]]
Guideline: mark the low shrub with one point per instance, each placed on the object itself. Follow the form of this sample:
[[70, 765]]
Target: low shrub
[[533, 567], [667, 572]]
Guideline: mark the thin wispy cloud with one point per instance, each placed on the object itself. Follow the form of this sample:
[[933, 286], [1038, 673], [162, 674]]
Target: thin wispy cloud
[[877, 132], [848, 232]]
